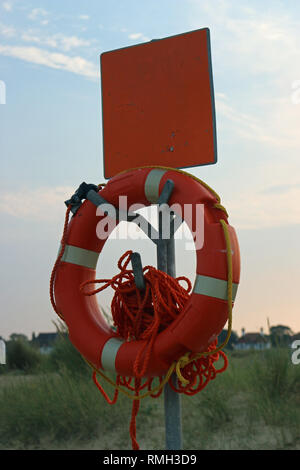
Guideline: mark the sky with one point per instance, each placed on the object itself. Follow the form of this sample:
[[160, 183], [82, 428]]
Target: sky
[[51, 141]]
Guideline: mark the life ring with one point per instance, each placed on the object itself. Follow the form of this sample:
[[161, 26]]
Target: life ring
[[206, 311]]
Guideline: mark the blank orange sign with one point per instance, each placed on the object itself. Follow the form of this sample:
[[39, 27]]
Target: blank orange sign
[[158, 104]]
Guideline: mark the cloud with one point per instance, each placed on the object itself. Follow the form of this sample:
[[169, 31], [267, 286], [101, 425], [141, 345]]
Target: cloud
[[256, 67], [48, 41], [7, 31], [69, 42], [57, 41], [265, 209], [250, 126], [140, 36], [7, 6], [280, 188], [274, 122], [35, 204], [250, 39], [135, 36], [55, 60], [37, 14], [84, 17]]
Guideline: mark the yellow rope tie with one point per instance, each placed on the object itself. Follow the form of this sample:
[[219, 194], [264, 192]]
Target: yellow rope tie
[[221, 208], [122, 390], [186, 359]]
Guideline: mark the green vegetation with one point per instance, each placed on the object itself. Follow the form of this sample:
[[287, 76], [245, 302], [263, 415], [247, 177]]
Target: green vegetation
[[53, 404], [21, 356]]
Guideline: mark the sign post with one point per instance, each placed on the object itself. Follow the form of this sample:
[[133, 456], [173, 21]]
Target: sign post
[[172, 400], [166, 263]]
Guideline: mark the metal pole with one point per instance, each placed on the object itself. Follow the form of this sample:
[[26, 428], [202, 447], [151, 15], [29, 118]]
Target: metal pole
[[166, 263]]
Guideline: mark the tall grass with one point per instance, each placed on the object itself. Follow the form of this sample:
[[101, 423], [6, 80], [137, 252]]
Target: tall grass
[[65, 356], [254, 404], [60, 404], [275, 386], [56, 406]]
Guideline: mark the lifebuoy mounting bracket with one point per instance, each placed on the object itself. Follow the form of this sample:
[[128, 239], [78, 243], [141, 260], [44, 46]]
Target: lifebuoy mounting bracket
[[90, 192], [81, 193]]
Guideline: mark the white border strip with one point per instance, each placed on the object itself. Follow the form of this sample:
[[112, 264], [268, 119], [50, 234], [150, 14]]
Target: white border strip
[[109, 354], [80, 256], [213, 287], [152, 184]]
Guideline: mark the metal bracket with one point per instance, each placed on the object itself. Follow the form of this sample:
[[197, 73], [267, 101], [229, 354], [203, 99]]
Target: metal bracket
[[90, 192], [142, 223], [138, 271], [166, 192]]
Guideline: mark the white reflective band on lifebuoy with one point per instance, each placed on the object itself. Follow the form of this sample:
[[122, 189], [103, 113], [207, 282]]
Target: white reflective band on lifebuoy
[[109, 354], [80, 256], [213, 287], [152, 184]]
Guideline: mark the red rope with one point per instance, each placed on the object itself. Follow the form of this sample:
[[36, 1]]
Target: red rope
[[200, 372], [143, 315]]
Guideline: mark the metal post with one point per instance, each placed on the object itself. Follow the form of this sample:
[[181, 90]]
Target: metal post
[[165, 246], [166, 263]]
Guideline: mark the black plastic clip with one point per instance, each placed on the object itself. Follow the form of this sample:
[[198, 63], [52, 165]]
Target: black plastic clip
[[81, 193]]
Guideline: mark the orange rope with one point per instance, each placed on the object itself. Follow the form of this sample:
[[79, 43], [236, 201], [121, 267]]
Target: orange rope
[[53, 274], [200, 372], [143, 315], [62, 250]]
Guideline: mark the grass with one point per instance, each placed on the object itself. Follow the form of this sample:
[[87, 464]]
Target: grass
[[253, 405], [275, 389]]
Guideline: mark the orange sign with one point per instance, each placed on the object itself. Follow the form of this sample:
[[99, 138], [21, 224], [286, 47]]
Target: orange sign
[[158, 104]]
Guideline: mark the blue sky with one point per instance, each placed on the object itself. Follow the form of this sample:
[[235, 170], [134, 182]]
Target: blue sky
[[51, 139]]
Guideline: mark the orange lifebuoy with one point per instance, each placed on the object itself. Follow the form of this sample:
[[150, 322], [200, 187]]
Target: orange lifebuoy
[[206, 311]]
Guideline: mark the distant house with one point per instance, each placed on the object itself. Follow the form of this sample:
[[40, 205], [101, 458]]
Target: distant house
[[44, 341], [295, 337], [256, 341]]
